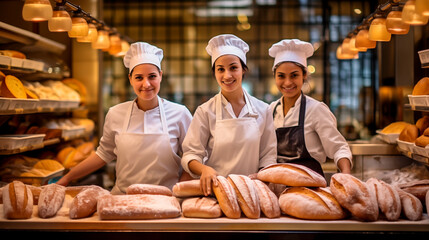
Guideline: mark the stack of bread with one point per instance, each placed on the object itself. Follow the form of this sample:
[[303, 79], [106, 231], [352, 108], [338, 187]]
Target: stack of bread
[[415, 133], [70, 156], [12, 87], [52, 90], [78, 87]]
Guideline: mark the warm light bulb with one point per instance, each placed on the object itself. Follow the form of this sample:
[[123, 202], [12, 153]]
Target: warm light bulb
[[378, 30], [92, 34], [344, 55], [79, 27], [422, 7], [362, 40], [37, 10], [124, 48], [60, 21], [353, 47], [410, 16], [115, 44], [103, 41], [394, 23]]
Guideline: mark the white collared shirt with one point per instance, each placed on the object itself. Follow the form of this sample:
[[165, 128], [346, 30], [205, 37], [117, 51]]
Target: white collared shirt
[[322, 137]]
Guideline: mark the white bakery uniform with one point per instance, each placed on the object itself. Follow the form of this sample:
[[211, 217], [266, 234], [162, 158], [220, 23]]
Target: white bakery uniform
[[230, 144], [146, 144], [322, 137]]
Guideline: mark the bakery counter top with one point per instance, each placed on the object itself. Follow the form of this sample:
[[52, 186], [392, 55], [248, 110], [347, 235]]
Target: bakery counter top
[[366, 148]]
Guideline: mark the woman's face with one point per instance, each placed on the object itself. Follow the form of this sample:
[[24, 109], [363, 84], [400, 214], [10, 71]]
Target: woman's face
[[289, 79], [146, 81], [229, 73]]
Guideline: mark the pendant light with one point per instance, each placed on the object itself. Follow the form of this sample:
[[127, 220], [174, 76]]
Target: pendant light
[[353, 45], [37, 10], [115, 44], [344, 55], [422, 7], [92, 34], [60, 21], [124, 48], [394, 23], [103, 41], [345, 48], [378, 30], [362, 40], [79, 26], [410, 16]]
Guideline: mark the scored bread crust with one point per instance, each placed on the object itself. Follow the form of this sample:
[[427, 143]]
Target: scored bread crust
[[313, 204], [201, 207], [247, 195], [268, 200], [141, 188], [17, 201], [387, 198], [227, 198], [412, 208], [191, 188], [291, 174]]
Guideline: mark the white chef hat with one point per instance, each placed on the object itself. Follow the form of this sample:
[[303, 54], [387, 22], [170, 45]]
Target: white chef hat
[[291, 50], [227, 44], [141, 52]]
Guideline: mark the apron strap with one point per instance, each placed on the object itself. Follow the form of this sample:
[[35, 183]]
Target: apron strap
[[301, 110]]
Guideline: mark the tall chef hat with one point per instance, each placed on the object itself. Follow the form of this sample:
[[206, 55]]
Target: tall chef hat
[[141, 52], [291, 50], [227, 44]]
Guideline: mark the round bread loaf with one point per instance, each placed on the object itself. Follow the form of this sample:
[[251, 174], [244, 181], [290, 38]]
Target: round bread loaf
[[422, 124], [140, 188], [17, 201], [51, 199], [421, 87], [246, 195], [290, 174], [12, 87], [412, 208], [191, 188], [387, 198], [201, 207], [227, 198], [422, 141], [268, 201], [409, 134]]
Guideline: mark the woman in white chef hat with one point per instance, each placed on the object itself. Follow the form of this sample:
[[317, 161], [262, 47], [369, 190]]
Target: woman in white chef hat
[[233, 132], [306, 129], [143, 135]]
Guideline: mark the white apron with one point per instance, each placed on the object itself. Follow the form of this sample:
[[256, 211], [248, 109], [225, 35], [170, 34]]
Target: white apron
[[236, 142], [145, 157]]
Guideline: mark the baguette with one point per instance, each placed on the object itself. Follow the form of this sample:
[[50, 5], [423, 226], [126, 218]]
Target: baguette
[[51, 199], [268, 201], [153, 189], [138, 206], [191, 188], [355, 196], [17, 201], [412, 208], [417, 188], [201, 207], [291, 174], [227, 198], [387, 198], [84, 204], [247, 195]]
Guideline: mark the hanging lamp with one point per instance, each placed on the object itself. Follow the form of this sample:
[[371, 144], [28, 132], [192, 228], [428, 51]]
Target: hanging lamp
[[410, 16], [103, 41], [36, 10], [394, 23], [60, 21], [79, 26], [422, 7], [92, 34], [362, 40], [378, 30]]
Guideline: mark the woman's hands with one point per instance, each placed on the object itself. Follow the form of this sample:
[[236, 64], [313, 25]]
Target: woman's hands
[[207, 175]]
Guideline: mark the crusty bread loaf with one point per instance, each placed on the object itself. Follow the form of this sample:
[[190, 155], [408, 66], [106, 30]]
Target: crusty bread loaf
[[247, 195], [418, 188], [422, 141], [140, 188], [190, 188], [314, 204], [50, 200], [421, 87], [12, 87], [227, 198], [412, 208], [201, 207], [290, 174], [268, 201], [85, 202], [409, 134], [355, 196], [387, 198], [422, 123], [138, 206], [36, 193], [17, 201], [395, 127]]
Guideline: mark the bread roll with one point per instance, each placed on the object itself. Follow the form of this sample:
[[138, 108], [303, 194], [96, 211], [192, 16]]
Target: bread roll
[[417, 188], [422, 123], [191, 188], [421, 87], [17, 201], [387, 198], [201, 207], [246, 195], [12, 87], [138, 206], [227, 198], [422, 141], [314, 204], [395, 127], [50, 200], [84, 204], [355, 196], [412, 208], [140, 188], [409, 134], [268, 201], [290, 174]]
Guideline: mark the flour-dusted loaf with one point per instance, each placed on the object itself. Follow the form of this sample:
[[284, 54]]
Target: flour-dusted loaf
[[190, 188], [227, 198], [290, 174], [355, 196], [387, 198], [84, 204], [17, 201], [247, 195], [310, 203], [418, 188], [137, 206], [268, 201], [50, 200], [412, 208], [140, 188], [36, 193], [201, 207]]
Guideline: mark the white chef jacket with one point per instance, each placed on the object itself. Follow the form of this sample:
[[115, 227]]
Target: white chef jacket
[[178, 120], [321, 135], [199, 141]]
